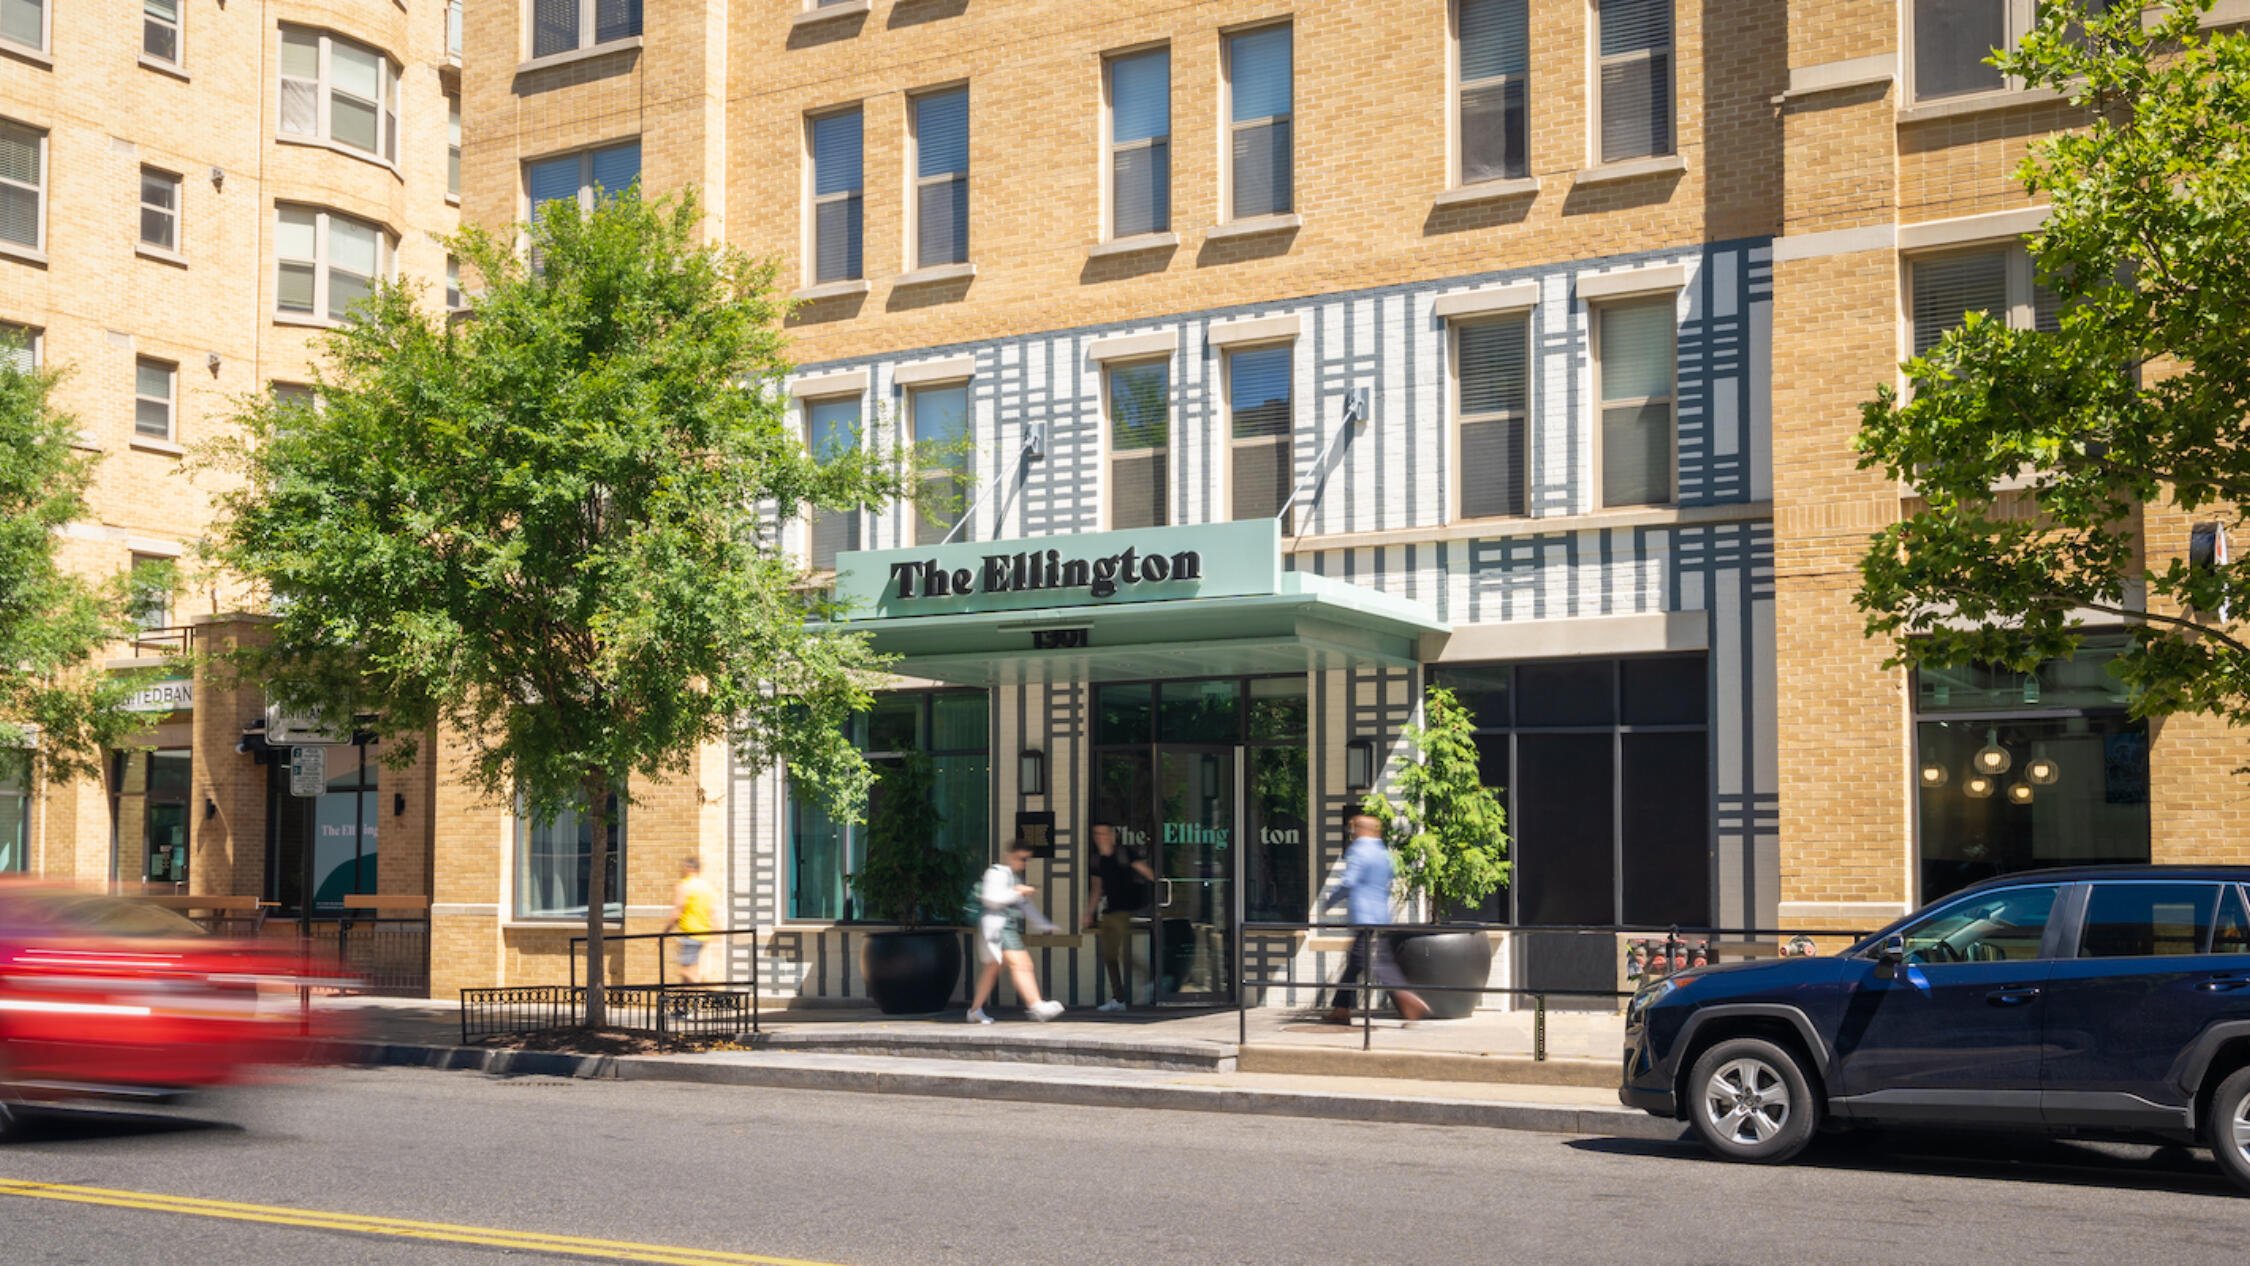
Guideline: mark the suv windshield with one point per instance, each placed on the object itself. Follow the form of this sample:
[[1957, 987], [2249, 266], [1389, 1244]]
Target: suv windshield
[[1985, 927]]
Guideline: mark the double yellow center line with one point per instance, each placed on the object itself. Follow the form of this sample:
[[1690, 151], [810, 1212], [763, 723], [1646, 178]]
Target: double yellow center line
[[392, 1228]]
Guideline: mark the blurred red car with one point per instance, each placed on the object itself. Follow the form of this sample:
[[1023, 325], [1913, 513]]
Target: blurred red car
[[107, 998]]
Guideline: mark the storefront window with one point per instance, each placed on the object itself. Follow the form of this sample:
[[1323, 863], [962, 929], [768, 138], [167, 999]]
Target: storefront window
[[555, 865], [15, 809], [951, 727], [1604, 767], [333, 833], [151, 814], [2015, 771]]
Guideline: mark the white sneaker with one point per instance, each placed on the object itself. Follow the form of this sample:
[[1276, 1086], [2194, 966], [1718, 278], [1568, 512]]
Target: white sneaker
[[1114, 1004], [979, 1017], [1046, 1011]]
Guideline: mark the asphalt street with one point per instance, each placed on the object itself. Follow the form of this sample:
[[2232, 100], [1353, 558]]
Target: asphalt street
[[398, 1166]]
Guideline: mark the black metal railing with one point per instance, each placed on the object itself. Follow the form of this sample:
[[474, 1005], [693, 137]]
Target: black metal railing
[[668, 1010], [388, 954], [1662, 951]]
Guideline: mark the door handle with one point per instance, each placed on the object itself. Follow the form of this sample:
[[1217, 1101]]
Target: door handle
[[2012, 997], [2223, 984]]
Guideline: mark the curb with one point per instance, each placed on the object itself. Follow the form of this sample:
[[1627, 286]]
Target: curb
[[1076, 1092], [1179, 1057], [1427, 1066]]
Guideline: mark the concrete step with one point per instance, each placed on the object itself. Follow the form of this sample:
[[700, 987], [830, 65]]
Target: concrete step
[[1518, 1070]]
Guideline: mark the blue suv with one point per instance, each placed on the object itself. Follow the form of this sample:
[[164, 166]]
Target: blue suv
[[2109, 1001]]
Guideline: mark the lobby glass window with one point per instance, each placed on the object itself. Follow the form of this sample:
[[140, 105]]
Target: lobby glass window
[[1494, 76], [1140, 142], [555, 865], [585, 177], [1260, 420], [326, 262], [1635, 65], [831, 429], [453, 144], [941, 178], [1603, 767], [160, 209], [952, 728], [1635, 362], [23, 185], [335, 90], [1996, 279], [1490, 358], [836, 185], [325, 845], [24, 23], [154, 382], [941, 434], [1140, 439], [160, 31], [559, 26], [15, 810], [2016, 771], [1260, 109]]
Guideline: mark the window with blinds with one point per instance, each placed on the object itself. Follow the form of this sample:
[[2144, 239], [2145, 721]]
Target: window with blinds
[[325, 262], [1495, 62], [941, 178], [1999, 280], [1140, 143], [559, 26], [1491, 362], [24, 22], [453, 144], [1259, 83], [831, 429], [152, 397], [1635, 361], [1636, 79], [335, 90], [1140, 444], [160, 31], [19, 347], [940, 417], [836, 196], [23, 185], [1952, 39], [1260, 419], [160, 209], [583, 178]]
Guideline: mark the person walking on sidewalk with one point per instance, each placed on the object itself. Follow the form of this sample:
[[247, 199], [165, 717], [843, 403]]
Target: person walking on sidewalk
[[1365, 887], [695, 905], [1008, 904], [1122, 885]]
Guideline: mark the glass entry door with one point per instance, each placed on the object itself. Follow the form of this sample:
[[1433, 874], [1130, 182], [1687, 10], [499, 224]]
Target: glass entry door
[[1197, 829]]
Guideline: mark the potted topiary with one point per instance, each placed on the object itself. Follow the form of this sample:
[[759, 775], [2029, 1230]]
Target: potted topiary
[[909, 879], [1448, 831]]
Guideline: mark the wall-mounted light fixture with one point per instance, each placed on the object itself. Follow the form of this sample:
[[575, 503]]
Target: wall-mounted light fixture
[[398, 803], [1031, 772], [210, 808], [1359, 764]]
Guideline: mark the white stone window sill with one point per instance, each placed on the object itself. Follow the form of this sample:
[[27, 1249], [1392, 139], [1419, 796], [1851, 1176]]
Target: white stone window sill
[[453, 200], [831, 290], [85, 442], [1487, 191], [1981, 103], [1133, 245], [348, 151], [160, 255], [566, 923], [935, 275], [631, 44], [10, 250], [1255, 226], [306, 320], [820, 13], [174, 69], [151, 444], [1631, 169], [24, 52]]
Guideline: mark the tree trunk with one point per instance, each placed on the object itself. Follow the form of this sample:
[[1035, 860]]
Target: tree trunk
[[597, 898]]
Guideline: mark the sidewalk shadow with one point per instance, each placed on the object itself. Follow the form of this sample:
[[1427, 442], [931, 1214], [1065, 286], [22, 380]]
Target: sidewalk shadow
[[1963, 1154]]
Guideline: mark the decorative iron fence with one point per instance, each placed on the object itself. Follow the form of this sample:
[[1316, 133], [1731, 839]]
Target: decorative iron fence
[[666, 1010]]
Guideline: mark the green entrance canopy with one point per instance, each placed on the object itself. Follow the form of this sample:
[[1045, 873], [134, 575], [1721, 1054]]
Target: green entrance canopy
[[1235, 612]]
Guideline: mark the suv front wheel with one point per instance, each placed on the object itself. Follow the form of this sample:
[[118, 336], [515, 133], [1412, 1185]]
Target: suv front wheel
[[1749, 1101], [2226, 1126]]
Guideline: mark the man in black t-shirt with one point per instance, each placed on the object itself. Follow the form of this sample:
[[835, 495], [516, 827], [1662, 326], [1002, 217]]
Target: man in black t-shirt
[[1122, 883]]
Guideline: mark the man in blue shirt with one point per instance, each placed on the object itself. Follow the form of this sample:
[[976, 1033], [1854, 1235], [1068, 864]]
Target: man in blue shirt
[[1365, 888]]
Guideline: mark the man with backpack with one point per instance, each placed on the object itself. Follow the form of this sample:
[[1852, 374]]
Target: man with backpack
[[1122, 884]]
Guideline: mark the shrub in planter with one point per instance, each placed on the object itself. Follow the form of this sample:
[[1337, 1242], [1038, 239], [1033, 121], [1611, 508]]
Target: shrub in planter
[[908, 878], [1449, 834]]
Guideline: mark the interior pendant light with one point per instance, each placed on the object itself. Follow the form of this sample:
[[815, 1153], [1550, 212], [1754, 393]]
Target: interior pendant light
[[2041, 769], [1992, 758], [2019, 793], [1934, 775], [1977, 787]]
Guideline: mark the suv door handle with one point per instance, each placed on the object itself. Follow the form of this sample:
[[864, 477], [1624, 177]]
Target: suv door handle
[[2012, 997], [2222, 984]]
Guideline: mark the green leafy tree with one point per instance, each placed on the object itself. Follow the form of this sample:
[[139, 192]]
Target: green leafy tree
[[908, 877], [1448, 829], [53, 622], [547, 527], [2137, 399]]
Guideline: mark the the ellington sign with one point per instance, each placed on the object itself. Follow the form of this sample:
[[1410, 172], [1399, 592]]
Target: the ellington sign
[[1080, 569]]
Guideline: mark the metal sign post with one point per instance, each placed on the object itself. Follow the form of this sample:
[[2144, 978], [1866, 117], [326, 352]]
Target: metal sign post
[[308, 770]]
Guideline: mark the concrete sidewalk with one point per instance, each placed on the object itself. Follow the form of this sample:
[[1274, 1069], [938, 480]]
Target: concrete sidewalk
[[1472, 1072]]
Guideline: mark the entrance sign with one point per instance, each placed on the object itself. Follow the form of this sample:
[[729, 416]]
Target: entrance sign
[[1209, 560], [308, 770]]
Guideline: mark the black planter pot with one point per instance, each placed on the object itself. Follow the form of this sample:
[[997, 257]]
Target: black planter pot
[[912, 972], [1462, 959]]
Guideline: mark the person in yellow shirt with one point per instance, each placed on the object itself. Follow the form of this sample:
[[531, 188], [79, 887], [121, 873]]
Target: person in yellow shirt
[[695, 905]]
